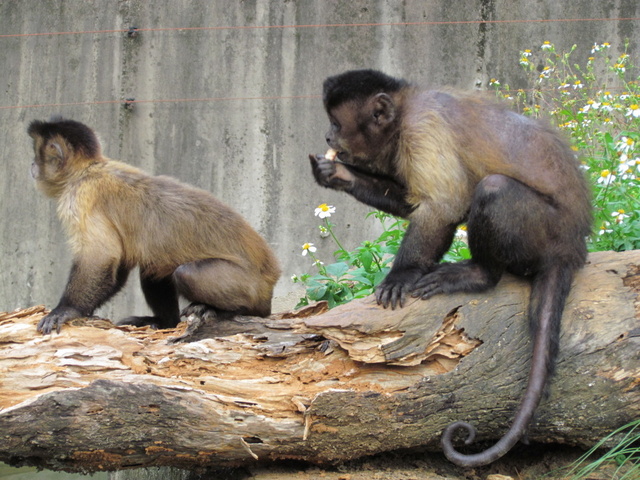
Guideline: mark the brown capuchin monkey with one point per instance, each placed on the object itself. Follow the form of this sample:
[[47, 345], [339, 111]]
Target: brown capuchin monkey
[[185, 241], [441, 158]]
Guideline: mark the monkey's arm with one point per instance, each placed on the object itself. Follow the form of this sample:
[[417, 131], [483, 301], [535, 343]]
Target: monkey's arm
[[92, 281], [383, 193], [425, 242]]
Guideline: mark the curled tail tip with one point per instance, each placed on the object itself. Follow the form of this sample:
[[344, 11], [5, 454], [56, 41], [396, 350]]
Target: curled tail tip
[[474, 460], [447, 435], [447, 443]]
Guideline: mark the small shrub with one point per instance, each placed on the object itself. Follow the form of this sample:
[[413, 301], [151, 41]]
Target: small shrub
[[598, 106]]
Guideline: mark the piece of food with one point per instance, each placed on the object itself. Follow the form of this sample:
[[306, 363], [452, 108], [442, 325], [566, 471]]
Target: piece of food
[[331, 154]]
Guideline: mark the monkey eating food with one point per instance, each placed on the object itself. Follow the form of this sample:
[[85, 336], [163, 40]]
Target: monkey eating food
[[441, 158], [184, 240]]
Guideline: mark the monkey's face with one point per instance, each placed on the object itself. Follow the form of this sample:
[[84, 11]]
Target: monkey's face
[[48, 163], [363, 132]]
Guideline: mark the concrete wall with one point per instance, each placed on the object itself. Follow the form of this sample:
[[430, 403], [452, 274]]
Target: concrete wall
[[249, 146]]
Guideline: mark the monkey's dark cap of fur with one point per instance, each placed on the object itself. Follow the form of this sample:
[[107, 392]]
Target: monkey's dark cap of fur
[[78, 135], [358, 85]]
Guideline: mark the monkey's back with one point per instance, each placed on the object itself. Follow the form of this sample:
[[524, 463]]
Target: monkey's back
[[461, 137], [163, 223]]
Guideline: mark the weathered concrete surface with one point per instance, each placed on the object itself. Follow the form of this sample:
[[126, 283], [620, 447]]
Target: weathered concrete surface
[[249, 146]]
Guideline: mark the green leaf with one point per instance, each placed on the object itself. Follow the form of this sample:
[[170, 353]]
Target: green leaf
[[317, 293], [366, 257], [363, 280], [337, 269]]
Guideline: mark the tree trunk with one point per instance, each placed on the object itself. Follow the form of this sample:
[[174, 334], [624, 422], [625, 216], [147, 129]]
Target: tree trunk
[[317, 385]]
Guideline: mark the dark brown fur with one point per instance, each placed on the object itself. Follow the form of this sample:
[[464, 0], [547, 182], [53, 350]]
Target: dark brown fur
[[441, 158], [184, 240]]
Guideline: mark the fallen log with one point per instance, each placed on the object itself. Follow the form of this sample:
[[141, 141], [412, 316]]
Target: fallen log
[[316, 385]]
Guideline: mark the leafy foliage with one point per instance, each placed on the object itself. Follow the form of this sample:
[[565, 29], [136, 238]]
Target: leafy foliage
[[598, 106], [356, 273]]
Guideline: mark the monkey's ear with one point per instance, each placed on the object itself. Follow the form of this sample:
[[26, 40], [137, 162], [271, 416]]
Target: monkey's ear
[[383, 109], [55, 151]]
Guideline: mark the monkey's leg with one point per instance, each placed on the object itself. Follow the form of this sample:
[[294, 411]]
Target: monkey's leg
[[162, 298], [224, 286], [424, 244], [92, 281], [510, 228]]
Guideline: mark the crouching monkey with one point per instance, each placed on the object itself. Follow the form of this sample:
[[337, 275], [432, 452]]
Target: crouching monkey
[[184, 240], [441, 158]]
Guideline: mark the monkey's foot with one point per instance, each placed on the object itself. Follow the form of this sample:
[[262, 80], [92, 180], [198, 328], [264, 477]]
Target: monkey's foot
[[194, 322], [197, 314], [200, 310], [153, 322], [456, 277], [428, 286]]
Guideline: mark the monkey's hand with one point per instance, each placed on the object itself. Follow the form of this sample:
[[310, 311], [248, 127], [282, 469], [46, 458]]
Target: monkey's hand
[[331, 174], [57, 317], [394, 288]]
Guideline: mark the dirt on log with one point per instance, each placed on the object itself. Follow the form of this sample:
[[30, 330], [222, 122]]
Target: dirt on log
[[317, 385]]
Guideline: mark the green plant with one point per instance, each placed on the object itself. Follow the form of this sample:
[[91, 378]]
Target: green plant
[[598, 105], [624, 456], [355, 273]]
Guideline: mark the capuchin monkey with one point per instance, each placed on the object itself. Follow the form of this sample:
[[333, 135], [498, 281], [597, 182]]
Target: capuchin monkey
[[441, 158], [185, 241]]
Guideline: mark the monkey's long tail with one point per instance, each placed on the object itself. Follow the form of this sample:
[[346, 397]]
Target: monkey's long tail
[[549, 291]]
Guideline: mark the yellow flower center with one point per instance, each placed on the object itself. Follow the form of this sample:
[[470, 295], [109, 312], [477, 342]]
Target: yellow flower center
[[605, 173], [324, 207]]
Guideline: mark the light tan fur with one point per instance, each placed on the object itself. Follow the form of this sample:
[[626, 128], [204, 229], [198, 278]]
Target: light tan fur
[[117, 216], [428, 163], [442, 154]]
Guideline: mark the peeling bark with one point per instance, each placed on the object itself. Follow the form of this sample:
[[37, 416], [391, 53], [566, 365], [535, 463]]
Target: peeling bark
[[316, 385]]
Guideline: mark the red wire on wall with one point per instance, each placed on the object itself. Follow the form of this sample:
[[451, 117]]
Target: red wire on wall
[[251, 27]]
